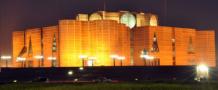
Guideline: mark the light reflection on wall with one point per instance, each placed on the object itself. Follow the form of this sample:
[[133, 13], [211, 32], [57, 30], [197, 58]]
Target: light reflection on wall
[[100, 39]]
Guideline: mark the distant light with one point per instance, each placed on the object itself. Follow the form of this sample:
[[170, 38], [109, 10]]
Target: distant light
[[14, 81], [38, 57], [81, 68], [136, 79], [121, 58], [51, 58], [5, 57], [90, 62], [202, 72], [70, 73], [76, 79], [20, 59], [147, 57], [114, 56], [202, 68], [83, 56]]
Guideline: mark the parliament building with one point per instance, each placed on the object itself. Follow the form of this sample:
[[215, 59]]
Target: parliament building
[[120, 38]]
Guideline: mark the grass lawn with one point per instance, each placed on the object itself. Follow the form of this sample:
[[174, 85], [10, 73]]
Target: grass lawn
[[110, 86]]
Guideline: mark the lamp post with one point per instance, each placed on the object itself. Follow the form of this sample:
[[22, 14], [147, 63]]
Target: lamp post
[[83, 57], [39, 57], [144, 59], [6, 59], [202, 71], [144, 55], [22, 60], [114, 57], [52, 59], [121, 58], [92, 60]]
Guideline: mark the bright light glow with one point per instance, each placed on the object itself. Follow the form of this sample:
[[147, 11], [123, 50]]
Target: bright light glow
[[5, 57], [114, 56], [90, 62], [51, 58], [147, 57], [202, 72], [121, 58], [70, 73], [76, 79], [20, 59], [83, 56], [81, 68], [202, 68], [38, 57], [14, 81]]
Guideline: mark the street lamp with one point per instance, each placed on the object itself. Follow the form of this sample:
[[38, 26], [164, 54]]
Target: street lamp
[[91, 61], [52, 59], [202, 72], [147, 57], [144, 55], [70, 73], [6, 59], [39, 57], [22, 60], [114, 57], [121, 58], [144, 59], [83, 57], [81, 68]]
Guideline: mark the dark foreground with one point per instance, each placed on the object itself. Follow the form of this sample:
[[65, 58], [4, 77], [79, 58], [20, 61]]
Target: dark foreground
[[125, 73], [110, 86]]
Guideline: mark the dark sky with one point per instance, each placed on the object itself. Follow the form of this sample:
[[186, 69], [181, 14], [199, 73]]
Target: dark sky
[[22, 14]]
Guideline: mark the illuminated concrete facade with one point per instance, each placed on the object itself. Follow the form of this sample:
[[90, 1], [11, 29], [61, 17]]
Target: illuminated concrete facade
[[49, 34], [102, 34], [205, 45], [143, 39], [98, 39], [192, 47], [17, 45], [29, 44]]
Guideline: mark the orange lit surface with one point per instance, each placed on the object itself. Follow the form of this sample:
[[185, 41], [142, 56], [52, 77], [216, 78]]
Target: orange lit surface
[[70, 43], [17, 44], [100, 35], [35, 35], [98, 39], [143, 39], [206, 47], [48, 36], [183, 57], [203, 45]]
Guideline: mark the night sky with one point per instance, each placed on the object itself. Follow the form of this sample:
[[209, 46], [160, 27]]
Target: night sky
[[22, 14]]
